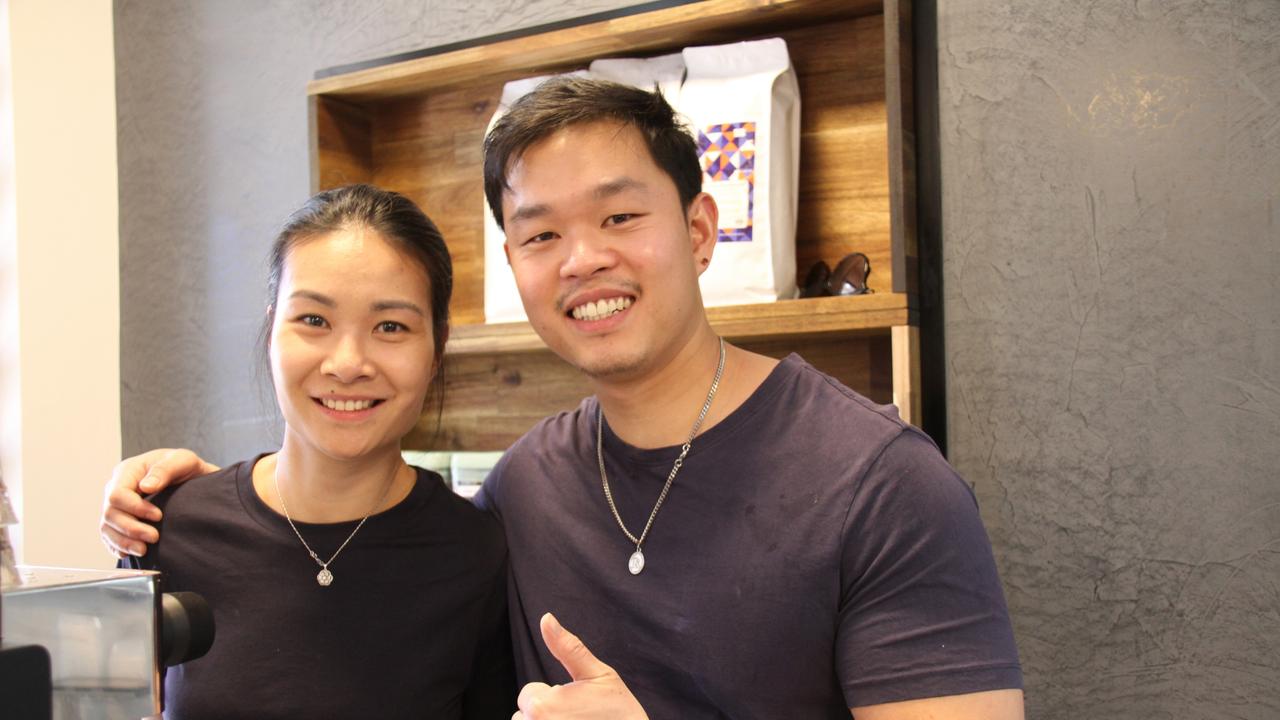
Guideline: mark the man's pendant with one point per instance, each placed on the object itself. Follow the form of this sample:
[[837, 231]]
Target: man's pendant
[[324, 577], [636, 563]]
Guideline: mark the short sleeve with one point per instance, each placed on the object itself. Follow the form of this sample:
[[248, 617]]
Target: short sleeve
[[922, 613], [486, 498]]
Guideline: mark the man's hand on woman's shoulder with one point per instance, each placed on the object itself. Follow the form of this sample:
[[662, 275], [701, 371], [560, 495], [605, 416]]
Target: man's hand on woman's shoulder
[[125, 512]]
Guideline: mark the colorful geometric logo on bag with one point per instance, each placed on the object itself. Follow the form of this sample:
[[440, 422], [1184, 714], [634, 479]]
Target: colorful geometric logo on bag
[[728, 155]]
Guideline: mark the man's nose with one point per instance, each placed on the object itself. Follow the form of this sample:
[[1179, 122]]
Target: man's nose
[[589, 253]]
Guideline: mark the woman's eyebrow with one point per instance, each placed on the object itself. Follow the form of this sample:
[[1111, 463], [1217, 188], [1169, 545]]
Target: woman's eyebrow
[[382, 305], [376, 306], [313, 295]]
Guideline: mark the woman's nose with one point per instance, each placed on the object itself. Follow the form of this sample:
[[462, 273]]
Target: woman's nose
[[348, 361]]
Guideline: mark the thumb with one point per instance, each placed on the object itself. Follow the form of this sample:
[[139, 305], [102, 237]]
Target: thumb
[[569, 650], [171, 467]]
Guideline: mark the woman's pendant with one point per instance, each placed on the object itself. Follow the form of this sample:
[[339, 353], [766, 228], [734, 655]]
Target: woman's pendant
[[635, 564], [324, 577]]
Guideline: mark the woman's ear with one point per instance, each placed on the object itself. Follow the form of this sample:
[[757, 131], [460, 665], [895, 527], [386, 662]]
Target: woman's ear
[[704, 228]]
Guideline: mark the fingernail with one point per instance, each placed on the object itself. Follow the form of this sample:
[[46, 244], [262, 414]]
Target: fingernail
[[556, 629], [135, 550], [147, 484]]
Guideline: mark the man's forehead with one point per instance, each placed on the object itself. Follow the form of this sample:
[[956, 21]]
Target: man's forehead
[[577, 157], [573, 140]]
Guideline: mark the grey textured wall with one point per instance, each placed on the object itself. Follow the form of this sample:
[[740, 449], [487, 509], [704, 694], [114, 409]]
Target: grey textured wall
[[211, 100], [1111, 208], [1111, 224]]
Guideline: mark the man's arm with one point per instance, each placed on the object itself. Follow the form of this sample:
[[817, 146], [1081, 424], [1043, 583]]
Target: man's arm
[[922, 612], [990, 705], [124, 511]]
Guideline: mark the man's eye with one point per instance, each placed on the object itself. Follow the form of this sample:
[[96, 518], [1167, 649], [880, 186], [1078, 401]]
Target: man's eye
[[540, 237], [618, 219], [390, 326]]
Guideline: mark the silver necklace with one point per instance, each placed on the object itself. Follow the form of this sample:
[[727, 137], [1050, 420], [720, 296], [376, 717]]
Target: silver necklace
[[325, 577], [636, 562]]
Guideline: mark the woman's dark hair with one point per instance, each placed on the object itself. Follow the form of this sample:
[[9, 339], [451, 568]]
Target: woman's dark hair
[[397, 220], [564, 101]]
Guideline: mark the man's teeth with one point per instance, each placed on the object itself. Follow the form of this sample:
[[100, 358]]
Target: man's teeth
[[601, 309], [347, 405]]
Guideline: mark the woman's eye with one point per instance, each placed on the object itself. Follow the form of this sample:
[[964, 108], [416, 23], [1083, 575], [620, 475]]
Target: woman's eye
[[312, 321]]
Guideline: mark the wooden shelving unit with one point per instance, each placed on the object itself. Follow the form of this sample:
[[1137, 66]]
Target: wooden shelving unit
[[416, 126]]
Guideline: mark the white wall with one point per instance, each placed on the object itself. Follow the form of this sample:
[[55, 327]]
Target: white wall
[[60, 277]]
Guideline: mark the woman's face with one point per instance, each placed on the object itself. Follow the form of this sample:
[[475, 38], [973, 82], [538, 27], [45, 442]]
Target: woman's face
[[352, 350]]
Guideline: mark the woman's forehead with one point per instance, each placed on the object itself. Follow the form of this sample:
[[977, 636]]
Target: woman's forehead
[[354, 258]]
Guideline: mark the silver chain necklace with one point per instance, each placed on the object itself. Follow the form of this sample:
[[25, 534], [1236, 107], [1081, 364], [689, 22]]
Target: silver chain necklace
[[325, 577], [636, 563]]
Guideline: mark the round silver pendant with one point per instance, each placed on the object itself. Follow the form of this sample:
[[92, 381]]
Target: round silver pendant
[[324, 577], [636, 563]]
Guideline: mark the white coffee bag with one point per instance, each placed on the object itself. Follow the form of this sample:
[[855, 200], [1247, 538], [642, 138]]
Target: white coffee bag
[[742, 103], [665, 72]]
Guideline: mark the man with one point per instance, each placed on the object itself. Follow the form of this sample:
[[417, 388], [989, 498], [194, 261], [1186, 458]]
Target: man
[[732, 536]]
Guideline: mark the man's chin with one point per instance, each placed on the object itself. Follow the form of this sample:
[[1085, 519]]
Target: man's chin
[[610, 369]]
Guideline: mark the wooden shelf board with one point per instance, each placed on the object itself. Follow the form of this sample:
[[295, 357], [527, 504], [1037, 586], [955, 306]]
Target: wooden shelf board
[[807, 317], [705, 22]]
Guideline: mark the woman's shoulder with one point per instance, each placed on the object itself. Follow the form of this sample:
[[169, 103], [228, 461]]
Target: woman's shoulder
[[449, 511], [206, 491]]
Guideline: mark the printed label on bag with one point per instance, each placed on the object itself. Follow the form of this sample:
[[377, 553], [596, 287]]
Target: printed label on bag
[[728, 152]]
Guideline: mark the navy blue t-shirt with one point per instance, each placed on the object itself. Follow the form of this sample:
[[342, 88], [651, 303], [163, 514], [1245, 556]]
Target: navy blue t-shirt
[[815, 553], [413, 626]]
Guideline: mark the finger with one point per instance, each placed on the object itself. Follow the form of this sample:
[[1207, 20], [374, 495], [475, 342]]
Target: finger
[[532, 696], [128, 526], [117, 544], [570, 651], [168, 468], [129, 502], [158, 469], [122, 545]]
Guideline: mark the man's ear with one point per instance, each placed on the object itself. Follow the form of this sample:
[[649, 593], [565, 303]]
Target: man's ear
[[506, 250], [704, 228]]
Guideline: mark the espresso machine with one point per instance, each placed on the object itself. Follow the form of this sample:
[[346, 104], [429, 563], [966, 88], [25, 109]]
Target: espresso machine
[[90, 644]]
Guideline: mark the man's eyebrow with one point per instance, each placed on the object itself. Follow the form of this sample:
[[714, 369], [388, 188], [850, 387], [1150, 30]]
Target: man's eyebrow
[[602, 191], [382, 305], [614, 187], [529, 212]]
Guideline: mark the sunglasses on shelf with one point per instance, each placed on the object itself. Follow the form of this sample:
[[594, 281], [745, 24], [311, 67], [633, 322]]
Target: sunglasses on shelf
[[849, 277]]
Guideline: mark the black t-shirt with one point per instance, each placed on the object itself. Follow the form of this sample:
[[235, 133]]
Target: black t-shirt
[[413, 626], [815, 553]]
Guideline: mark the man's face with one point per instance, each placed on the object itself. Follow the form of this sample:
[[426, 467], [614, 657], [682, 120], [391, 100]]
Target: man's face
[[605, 257]]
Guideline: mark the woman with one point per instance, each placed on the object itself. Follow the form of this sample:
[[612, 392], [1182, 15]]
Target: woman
[[344, 583]]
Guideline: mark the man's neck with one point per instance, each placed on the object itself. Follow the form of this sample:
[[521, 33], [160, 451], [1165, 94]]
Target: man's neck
[[660, 408]]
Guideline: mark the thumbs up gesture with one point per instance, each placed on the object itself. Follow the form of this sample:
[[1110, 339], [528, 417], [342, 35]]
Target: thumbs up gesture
[[596, 690]]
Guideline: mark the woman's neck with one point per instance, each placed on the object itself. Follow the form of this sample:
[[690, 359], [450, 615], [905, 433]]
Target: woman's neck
[[322, 489]]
